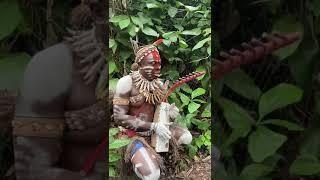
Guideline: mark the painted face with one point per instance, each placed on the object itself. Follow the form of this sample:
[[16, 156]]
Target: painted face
[[150, 66]]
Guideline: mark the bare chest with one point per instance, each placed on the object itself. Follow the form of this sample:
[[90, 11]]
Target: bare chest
[[139, 107]]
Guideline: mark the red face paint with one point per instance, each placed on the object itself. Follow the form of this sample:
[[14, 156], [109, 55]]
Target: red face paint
[[156, 56], [157, 63]]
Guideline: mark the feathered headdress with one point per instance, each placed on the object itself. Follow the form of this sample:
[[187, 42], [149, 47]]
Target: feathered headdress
[[142, 51]]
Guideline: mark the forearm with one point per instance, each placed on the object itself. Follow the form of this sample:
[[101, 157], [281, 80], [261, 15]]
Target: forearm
[[132, 122]]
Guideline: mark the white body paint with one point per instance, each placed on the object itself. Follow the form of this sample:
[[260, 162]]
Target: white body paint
[[154, 171], [185, 138], [124, 85]]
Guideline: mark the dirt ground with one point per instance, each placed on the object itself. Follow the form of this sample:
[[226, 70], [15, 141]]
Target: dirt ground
[[199, 170]]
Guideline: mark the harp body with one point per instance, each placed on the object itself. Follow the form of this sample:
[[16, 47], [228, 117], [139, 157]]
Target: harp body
[[161, 115]]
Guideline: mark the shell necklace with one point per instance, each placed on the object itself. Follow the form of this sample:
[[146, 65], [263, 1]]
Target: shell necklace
[[151, 90]]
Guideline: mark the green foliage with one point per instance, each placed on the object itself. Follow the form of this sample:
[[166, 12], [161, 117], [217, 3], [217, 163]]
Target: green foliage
[[305, 166], [115, 144], [10, 17], [260, 120], [242, 84], [255, 171], [185, 28], [12, 65], [263, 142], [278, 97]]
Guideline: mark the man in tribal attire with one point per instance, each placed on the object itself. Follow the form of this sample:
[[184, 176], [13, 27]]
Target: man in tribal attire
[[135, 99]]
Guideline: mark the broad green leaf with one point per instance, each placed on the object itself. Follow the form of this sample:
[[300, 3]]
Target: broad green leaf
[[207, 134], [283, 123], [124, 23], [207, 111], [310, 144], [207, 31], [233, 137], [10, 17], [192, 8], [287, 24], [112, 172], [278, 97], [171, 36], [198, 92], [150, 32], [305, 166], [179, 27], [185, 99], [118, 143], [207, 143], [114, 157], [167, 35], [136, 21], [199, 69], [113, 84], [203, 125], [144, 19], [255, 171], [167, 42], [188, 118], [201, 43], [237, 117], [172, 11], [192, 107], [132, 30], [183, 44], [114, 48], [198, 142], [112, 42], [242, 84], [186, 88], [192, 150], [308, 50], [264, 143], [12, 68], [112, 67], [178, 4], [209, 50], [124, 55], [113, 131], [152, 5], [193, 32], [117, 19], [272, 161]]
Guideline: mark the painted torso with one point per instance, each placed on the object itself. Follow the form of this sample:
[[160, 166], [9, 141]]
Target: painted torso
[[141, 106]]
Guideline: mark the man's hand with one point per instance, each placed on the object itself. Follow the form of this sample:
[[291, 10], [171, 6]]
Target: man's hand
[[162, 129]]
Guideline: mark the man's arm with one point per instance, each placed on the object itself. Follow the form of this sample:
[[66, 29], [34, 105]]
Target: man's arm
[[121, 107]]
